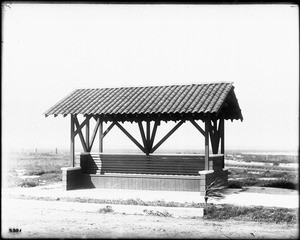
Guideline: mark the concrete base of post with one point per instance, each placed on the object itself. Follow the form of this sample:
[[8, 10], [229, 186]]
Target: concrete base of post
[[208, 176], [71, 177]]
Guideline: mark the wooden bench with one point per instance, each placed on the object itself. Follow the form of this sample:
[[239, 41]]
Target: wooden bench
[[171, 172], [142, 164]]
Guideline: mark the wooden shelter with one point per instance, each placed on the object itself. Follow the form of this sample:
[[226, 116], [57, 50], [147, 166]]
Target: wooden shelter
[[212, 103]]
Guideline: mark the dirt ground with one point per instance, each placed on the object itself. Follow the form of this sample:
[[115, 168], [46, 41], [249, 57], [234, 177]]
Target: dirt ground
[[54, 221], [58, 219]]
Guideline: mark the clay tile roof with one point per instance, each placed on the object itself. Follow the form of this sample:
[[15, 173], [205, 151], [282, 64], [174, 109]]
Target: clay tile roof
[[174, 102]]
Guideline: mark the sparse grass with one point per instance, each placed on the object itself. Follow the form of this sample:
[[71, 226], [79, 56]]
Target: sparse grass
[[211, 211], [51, 177], [243, 173], [48, 167], [45, 165], [251, 181], [136, 201], [244, 178], [257, 213], [39, 172]]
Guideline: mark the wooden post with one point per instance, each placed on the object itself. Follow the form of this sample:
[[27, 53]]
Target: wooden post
[[101, 137], [215, 136], [94, 134], [72, 146], [207, 129], [148, 140], [143, 137], [87, 134], [222, 122], [153, 135]]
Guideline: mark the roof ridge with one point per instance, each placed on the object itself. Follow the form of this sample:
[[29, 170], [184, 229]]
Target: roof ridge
[[166, 85]]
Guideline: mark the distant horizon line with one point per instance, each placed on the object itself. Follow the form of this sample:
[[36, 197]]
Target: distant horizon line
[[132, 150]]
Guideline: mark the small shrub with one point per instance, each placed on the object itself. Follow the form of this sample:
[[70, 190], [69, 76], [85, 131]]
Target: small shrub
[[280, 183], [234, 184], [250, 181], [51, 177], [158, 213], [27, 183], [214, 190], [283, 182], [36, 172], [107, 209]]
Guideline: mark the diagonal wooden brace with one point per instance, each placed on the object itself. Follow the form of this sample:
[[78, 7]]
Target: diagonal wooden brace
[[167, 135], [78, 130], [130, 137]]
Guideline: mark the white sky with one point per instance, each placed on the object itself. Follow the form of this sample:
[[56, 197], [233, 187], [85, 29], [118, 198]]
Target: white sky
[[50, 50]]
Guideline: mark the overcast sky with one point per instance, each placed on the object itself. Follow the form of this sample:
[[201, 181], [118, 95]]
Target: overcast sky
[[50, 50]]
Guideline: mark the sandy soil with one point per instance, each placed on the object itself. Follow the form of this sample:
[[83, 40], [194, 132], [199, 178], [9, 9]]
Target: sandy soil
[[45, 222], [58, 219]]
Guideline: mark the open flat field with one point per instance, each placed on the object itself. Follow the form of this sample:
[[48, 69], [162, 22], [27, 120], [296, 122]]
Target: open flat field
[[38, 213], [245, 169]]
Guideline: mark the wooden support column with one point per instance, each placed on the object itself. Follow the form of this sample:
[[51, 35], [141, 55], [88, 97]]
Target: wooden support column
[[215, 136], [101, 136], [207, 129], [143, 137], [148, 140], [87, 134], [72, 145], [153, 134], [94, 134], [222, 136]]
